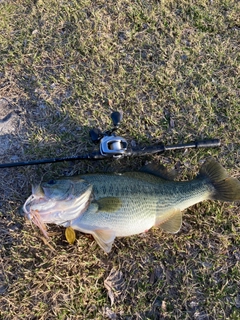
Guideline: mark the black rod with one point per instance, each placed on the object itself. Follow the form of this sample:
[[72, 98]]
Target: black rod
[[134, 152], [162, 148], [94, 156]]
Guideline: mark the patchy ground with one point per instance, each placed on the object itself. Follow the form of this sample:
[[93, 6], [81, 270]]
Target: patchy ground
[[172, 68]]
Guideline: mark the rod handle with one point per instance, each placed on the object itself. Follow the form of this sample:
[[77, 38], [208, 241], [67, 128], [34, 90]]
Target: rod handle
[[208, 143]]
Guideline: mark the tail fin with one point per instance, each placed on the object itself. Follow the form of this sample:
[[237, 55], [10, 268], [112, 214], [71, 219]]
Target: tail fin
[[226, 188]]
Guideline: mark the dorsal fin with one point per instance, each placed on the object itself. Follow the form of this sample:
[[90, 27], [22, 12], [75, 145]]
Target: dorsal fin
[[159, 171]]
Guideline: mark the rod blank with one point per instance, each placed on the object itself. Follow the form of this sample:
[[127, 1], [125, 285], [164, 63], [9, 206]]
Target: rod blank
[[134, 152]]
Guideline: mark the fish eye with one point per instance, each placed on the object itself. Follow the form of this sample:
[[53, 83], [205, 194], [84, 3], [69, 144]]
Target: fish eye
[[51, 182]]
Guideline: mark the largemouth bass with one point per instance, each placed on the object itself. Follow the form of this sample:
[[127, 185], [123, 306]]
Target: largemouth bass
[[118, 205]]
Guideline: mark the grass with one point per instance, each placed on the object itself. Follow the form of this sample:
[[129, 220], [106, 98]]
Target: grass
[[172, 67]]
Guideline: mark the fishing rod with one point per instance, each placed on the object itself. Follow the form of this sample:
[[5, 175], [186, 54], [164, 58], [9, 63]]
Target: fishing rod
[[113, 146]]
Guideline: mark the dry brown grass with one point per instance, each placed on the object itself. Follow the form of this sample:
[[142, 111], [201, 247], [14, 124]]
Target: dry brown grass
[[65, 65]]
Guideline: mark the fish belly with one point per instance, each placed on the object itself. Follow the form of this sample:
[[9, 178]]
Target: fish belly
[[134, 217]]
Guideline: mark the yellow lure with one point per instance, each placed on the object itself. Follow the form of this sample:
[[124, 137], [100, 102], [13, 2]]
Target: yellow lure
[[70, 235]]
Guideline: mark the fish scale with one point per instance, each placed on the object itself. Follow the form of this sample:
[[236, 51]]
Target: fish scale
[[116, 205], [141, 206]]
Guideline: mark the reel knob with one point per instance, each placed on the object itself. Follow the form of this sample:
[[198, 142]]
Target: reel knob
[[95, 135], [116, 118]]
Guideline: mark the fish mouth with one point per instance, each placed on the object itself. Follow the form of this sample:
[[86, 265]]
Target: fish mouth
[[34, 216], [41, 210], [24, 207]]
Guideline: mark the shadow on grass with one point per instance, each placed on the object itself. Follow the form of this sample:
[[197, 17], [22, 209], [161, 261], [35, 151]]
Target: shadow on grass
[[32, 129]]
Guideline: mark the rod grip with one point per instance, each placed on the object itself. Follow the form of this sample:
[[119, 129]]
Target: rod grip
[[208, 143]]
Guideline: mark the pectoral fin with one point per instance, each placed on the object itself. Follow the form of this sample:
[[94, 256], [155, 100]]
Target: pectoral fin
[[105, 238], [172, 223]]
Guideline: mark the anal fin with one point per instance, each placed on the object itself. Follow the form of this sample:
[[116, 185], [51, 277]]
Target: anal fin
[[172, 223], [105, 238]]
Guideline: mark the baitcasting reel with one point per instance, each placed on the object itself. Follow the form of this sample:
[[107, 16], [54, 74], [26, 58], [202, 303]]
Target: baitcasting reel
[[110, 144], [113, 146]]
